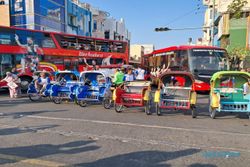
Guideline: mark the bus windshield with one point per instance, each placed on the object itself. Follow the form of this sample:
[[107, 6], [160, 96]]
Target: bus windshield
[[208, 59]]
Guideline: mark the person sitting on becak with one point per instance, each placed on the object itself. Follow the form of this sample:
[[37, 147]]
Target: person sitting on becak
[[118, 77], [129, 76], [246, 87], [42, 82]]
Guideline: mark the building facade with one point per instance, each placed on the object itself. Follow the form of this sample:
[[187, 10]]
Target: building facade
[[208, 21], [5, 13], [67, 16], [48, 15], [78, 18], [108, 27], [148, 48], [136, 52], [99, 18], [229, 32]]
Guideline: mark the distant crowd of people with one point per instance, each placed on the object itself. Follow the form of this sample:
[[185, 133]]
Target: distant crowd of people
[[92, 47], [129, 74], [158, 71]]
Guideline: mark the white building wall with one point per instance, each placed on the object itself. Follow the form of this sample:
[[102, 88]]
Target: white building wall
[[110, 25], [148, 48], [117, 29]]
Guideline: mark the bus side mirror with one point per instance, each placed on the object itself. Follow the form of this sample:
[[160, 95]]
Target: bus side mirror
[[195, 70]]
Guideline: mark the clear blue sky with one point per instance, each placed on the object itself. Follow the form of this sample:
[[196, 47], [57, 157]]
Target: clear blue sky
[[142, 16]]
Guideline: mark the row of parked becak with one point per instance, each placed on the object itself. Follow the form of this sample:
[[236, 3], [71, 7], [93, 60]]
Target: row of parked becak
[[230, 92]]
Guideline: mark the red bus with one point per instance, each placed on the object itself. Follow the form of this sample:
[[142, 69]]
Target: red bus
[[30, 50], [201, 61]]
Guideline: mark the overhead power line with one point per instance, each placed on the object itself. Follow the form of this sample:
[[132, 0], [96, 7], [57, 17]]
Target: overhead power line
[[195, 10]]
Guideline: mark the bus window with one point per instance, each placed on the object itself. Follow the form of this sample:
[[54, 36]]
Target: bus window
[[5, 39], [184, 60], [6, 63], [119, 47], [158, 61], [67, 42], [47, 41], [163, 61], [112, 61], [18, 59], [6, 36], [174, 61], [98, 61], [119, 61], [89, 61], [151, 61], [23, 36], [84, 43], [102, 46]]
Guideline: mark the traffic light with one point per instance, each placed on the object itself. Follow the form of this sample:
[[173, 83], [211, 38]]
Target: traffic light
[[162, 29]]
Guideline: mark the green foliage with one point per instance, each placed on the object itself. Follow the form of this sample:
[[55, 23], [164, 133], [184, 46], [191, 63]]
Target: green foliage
[[239, 53], [235, 8]]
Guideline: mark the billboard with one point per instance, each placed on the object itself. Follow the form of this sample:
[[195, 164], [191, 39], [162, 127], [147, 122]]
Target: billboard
[[18, 5]]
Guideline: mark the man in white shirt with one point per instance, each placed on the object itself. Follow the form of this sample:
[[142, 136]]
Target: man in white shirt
[[246, 87], [42, 82], [140, 74]]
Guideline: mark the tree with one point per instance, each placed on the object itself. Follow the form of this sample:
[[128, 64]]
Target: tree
[[237, 56], [235, 8]]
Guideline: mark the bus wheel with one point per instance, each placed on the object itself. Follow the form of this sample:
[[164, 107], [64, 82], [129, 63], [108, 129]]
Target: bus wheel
[[25, 81]]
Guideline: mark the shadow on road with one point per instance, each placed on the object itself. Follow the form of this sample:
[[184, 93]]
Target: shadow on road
[[141, 159], [17, 130], [17, 115], [7, 102], [38, 151]]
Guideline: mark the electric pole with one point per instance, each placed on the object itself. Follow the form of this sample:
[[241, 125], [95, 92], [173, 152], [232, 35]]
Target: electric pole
[[212, 28]]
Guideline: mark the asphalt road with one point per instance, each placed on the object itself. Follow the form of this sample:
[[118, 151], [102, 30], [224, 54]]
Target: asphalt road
[[46, 134]]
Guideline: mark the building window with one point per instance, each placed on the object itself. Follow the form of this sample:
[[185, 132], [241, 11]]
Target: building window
[[107, 34], [72, 20], [3, 2], [83, 23], [95, 25]]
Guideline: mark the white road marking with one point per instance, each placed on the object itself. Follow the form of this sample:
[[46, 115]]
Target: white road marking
[[139, 125]]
